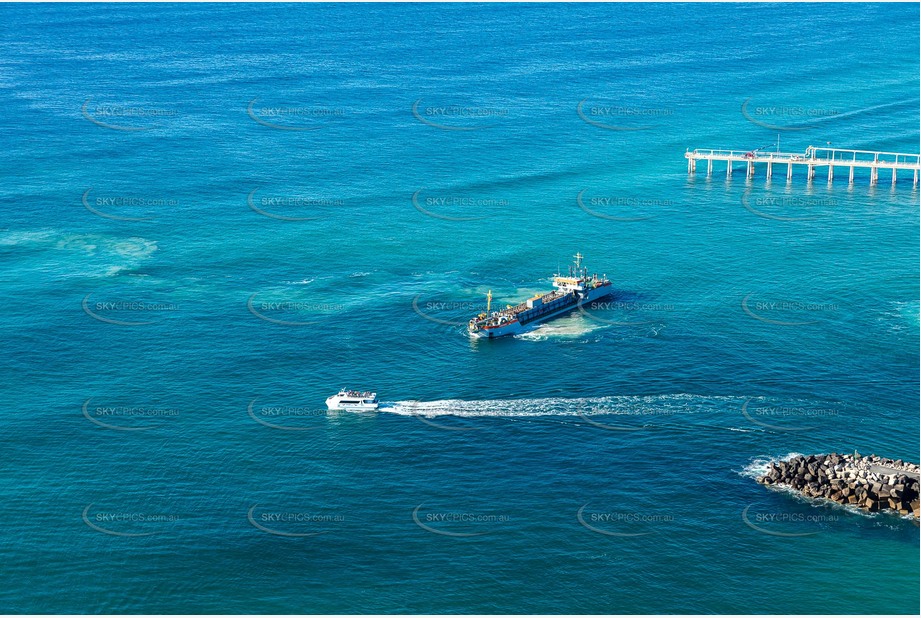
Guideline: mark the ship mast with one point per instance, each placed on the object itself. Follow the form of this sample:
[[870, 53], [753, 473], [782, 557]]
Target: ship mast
[[488, 300]]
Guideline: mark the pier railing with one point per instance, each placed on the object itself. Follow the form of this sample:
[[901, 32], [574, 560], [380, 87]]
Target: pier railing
[[814, 155], [745, 155], [845, 156]]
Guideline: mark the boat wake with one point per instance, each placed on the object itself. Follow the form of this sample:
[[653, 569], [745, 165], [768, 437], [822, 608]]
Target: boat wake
[[644, 407], [679, 412], [570, 327]]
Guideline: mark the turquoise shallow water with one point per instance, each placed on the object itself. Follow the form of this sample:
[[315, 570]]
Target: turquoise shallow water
[[164, 445]]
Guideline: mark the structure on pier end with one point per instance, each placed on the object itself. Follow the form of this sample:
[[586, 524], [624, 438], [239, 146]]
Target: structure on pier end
[[813, 157]]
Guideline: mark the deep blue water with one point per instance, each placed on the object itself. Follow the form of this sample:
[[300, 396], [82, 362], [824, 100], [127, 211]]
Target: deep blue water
[[365, 174]]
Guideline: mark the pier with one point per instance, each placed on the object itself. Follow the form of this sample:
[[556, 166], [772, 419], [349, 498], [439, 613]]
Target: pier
[[829, 159]]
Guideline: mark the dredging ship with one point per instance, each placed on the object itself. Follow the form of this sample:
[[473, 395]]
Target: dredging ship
[[571, 291]]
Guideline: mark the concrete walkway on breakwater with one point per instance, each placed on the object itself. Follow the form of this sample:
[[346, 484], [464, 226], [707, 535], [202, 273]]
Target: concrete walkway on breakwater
[[886, 470], [870, 483]]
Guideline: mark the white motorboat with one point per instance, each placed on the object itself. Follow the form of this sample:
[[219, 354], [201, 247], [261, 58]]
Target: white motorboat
[[353, 400]]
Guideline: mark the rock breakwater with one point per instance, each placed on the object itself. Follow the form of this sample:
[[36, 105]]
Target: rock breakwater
[[870, 483]]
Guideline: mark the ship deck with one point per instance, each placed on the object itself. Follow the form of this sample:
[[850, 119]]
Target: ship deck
[[521, 307]]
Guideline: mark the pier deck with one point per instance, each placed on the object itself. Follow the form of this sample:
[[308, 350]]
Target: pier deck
[[813, 158]]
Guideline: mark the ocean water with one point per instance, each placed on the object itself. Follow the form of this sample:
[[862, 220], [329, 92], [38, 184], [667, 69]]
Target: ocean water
[[214, 216]]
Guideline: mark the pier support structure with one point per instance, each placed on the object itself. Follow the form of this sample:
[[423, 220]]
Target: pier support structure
[[813, 157]]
